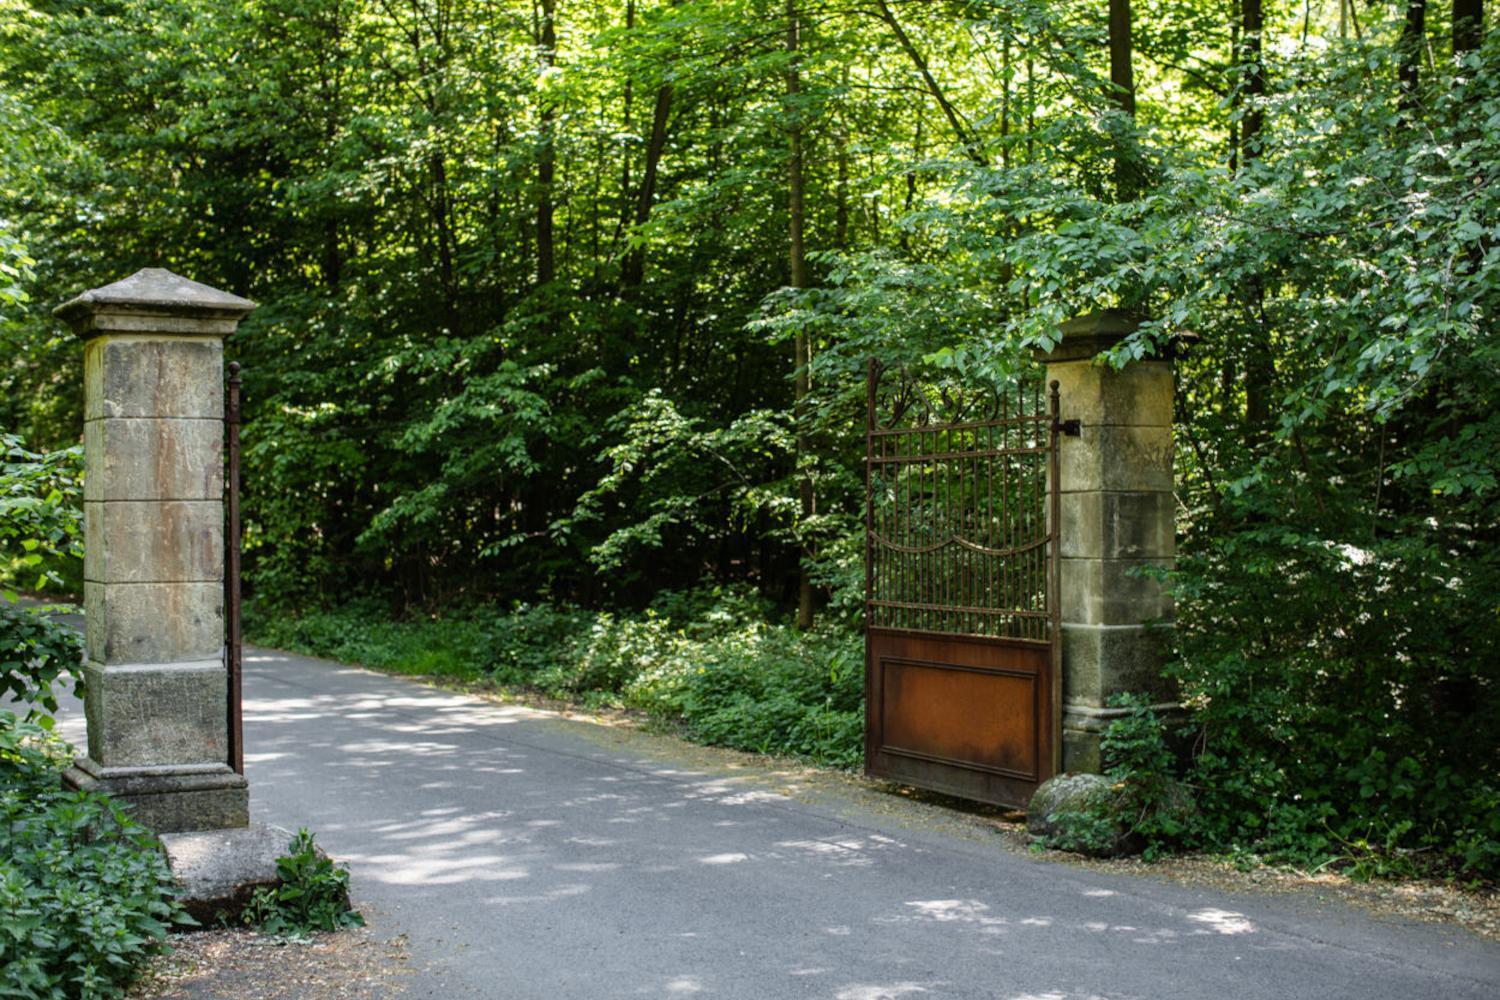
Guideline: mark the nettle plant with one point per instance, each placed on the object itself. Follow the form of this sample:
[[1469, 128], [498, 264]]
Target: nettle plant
[[313, 894]]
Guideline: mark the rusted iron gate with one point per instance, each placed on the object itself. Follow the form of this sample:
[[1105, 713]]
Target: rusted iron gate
[[961, 586]]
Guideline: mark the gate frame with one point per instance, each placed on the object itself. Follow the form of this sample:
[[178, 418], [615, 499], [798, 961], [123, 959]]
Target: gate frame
[[994, 656]]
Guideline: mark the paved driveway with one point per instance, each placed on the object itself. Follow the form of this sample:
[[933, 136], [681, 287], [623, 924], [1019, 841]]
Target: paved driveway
[[527, 856]]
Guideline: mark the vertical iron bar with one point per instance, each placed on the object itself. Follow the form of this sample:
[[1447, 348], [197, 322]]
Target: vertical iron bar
[[1005, 510], [234, 652], [990, 541], [1054, 583], [869, 493]]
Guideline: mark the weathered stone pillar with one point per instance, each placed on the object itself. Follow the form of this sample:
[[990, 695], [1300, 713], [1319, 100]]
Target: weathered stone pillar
[[1117, 514], [156, 682]]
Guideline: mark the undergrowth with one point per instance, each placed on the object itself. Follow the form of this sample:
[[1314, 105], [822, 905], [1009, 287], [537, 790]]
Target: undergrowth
[[86, 897], [711, 663]]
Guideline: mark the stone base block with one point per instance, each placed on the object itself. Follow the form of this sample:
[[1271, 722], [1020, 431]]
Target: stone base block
[[218, 871], [157, 714], [1100, 661], [170, 799], [1080, 752]]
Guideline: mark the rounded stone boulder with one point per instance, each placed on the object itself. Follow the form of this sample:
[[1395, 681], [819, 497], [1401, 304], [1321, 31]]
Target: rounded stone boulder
[[1079, 812]]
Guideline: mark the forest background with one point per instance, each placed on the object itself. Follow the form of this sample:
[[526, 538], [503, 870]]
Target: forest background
[[557, 377]]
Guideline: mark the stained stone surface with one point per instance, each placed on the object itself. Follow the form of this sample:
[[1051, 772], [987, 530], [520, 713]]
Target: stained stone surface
[[1113, 591], [166, 376], [1141, 391], [1100, 524], [163, 715], [1116, 457], [1104, 660], [173, 541], [132, 458], [153, 622]]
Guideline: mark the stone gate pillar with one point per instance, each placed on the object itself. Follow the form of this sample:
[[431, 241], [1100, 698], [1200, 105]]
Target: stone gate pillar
[[1117, 514], [156, 680]]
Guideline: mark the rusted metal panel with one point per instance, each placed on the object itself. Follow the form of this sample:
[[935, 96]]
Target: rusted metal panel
[[961, 590], [966, 715]]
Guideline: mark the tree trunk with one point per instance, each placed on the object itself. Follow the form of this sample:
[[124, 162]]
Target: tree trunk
[[1259, 363], [797, 260], [1252, 28], [546, 164], [1122, 91], [442, 215], [635, 260], [1121, 67], [1468, 25], [1413, 39]]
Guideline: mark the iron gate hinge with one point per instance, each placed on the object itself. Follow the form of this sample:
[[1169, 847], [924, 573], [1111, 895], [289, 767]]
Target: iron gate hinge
[[1070, 428]]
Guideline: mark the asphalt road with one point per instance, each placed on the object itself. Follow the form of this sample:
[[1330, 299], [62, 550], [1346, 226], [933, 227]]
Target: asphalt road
[[527, 856]]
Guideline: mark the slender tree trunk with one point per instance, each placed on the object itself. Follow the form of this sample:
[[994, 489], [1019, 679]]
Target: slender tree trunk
[[1122, 91], [1005, 101], [841, 190], [1468, 25], [626, 119], [1259, 363], [1413, 40], [442, 214], [635, 260], [1121, 55], [546, 164], [797, 259], [966, 136], [1252, 29]]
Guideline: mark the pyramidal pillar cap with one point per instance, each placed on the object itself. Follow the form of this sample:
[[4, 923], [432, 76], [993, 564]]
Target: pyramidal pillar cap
[[153, 300]]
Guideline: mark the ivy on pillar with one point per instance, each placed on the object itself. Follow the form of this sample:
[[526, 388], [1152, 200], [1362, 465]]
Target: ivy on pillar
[[1117, 522], [155, 674]]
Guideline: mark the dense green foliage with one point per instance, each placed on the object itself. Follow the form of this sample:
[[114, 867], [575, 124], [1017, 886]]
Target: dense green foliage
[[313, 894], [85, 893], [528, 315], [707, 664], [41, 533]]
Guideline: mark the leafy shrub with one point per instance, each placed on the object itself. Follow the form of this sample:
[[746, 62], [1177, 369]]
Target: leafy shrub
[[773, 690], [360, 634], [1346, 698], [41, 520], [86, 896], [41, 537], [35, 651], [313, 894]]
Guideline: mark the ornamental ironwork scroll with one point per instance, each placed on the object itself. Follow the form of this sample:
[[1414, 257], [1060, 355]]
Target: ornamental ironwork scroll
[[958, 528]]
